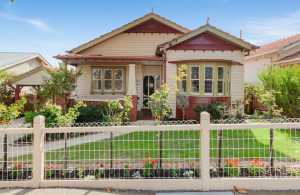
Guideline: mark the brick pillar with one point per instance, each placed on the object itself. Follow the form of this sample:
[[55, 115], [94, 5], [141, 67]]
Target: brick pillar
[[133, 111]]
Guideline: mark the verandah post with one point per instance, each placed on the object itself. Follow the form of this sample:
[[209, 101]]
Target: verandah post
[[38, 150], [204, 150]]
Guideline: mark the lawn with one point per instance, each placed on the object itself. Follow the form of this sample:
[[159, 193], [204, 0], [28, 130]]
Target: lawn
[[184, 145]]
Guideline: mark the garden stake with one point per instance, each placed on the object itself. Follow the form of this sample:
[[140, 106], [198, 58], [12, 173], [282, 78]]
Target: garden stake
[[271, 150], [160, 149], [5, 152], [220, 135], [65, 152], [111, 150]]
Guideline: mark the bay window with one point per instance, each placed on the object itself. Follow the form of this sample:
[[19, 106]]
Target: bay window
[[108, 80], [210, 79]]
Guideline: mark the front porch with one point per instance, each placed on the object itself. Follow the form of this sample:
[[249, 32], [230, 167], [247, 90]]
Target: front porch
[[105, 78]]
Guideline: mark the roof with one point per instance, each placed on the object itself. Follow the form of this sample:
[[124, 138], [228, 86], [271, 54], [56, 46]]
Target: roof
[[9, 59], [211, 29], [275, 45], [77, 58], [127, 27]]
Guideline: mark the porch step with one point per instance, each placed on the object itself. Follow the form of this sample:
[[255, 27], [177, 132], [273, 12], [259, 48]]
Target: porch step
[[195, 193]]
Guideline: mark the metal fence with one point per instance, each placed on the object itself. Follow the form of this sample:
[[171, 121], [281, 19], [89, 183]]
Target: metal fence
[[253, 154]]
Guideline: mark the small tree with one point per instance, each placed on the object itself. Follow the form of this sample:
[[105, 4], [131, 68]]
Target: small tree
[[159, 104], [6, 91], [161, 110], [60, 84], [116, 111]]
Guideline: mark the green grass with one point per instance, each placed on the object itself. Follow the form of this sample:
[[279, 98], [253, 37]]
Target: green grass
[[185, 144]]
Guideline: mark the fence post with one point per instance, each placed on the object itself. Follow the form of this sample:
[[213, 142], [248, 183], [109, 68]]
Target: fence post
[[204, 157], [38, 150]]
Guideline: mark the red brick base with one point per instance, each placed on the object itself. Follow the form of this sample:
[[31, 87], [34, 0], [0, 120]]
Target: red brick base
[[195, 101]]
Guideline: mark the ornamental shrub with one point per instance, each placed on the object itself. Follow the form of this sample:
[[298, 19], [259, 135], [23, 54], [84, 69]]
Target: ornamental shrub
[[284, 83]]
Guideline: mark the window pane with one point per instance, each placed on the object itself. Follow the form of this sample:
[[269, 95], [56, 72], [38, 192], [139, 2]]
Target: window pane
[[220, 86], [118, 85], [183, 86], [96, 73], [195, 86], [99, 85], [107, 74], [220, 72], [195, 73], [208, 86], [208, 72], [107, 84], [118, 74]]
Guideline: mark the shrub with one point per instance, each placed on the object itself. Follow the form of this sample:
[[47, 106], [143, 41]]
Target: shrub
[[159, 104], [91, 114], [216, 110], [231, 167], [284, 83], [117, 111]]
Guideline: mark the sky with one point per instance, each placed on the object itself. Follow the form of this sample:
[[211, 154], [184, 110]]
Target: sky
[[51, 27]]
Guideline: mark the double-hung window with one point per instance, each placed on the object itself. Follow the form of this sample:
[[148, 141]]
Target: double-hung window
[[195, 79], [208, 80], [108, 80], [220, 80]]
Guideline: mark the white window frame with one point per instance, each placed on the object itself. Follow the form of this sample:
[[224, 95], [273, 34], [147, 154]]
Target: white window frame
[[191, 79], [212, 80], [223, 81], [113, 90]]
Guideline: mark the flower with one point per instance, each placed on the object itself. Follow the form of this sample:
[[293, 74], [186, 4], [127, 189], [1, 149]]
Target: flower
[[234, 162], [257, 163]]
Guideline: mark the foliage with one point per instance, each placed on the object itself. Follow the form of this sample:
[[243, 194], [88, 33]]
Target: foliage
[[70, 116], [181, 75], [61, 83], [53, 114], [91, 114], [257, 167], [237, 109], [216, 110], [149, 165], [11, 112], [116, 111], [159, 104], [231, 167], [6, 92], [282, 85]]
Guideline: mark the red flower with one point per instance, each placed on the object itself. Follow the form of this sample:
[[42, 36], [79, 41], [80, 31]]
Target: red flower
[[257, 163], [233, 162], [154, 162]]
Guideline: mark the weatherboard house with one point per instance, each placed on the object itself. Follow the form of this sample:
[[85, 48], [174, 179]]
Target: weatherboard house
[[137, 58]]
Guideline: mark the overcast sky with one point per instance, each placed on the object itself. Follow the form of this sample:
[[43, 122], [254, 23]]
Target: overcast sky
[[51, 27]]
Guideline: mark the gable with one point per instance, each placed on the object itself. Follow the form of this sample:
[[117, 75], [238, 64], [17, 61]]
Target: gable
[[152, 26], [205, 41]]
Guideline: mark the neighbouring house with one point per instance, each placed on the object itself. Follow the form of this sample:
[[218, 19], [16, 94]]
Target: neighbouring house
[[29, 70], [281, 52], [137, 58]]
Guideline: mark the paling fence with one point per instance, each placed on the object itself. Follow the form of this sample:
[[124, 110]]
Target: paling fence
[[167, 156]]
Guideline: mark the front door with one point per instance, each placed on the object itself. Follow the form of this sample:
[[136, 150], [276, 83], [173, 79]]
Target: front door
[[150, 84]]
